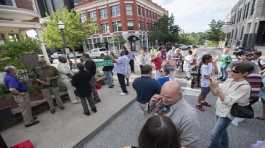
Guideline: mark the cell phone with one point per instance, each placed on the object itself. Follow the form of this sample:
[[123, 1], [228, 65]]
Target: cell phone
[[158, 107]]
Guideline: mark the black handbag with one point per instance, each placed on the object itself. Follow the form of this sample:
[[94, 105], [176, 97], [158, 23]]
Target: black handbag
[[242, 111]]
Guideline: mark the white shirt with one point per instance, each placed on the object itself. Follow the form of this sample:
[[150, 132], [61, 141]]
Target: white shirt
[[188, 63], [64, 69], [234, 92], [206, 71]]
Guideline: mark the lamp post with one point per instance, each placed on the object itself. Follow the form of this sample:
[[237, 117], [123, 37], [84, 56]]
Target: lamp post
[[61, 26], [117, 28]]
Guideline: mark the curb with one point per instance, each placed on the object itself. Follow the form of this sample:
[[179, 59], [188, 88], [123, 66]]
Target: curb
[[102, 126]]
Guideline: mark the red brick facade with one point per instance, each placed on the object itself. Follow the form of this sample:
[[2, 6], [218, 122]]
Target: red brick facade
[[25, 4], [143, 16]]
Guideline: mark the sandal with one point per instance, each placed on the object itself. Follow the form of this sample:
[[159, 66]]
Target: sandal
[[206, 104], [200, 107]]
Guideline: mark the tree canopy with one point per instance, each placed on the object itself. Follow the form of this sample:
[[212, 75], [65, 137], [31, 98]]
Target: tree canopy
[[165, 31], [75, 30], [216, 34]]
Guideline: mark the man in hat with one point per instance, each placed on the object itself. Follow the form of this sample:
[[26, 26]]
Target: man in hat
[[48, 80]]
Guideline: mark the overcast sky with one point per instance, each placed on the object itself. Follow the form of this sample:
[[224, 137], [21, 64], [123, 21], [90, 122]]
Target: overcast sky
[[195, 15]]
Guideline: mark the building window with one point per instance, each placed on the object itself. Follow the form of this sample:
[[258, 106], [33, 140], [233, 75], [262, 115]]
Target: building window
[[253, 7], [143, 11], [247, 10], [103, 13], [235, 35], [115, 10], [139, 10], [104, 28], [6, 2], [93, 15], [83, 17], [116, 26], [142, 26], [128, 8], [130, 25], [242, 33]]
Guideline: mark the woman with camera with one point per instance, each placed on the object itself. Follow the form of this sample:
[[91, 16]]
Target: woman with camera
[[235, 90]]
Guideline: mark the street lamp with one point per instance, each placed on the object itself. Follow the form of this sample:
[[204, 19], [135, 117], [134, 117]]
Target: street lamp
[[61, 26], [117, 28]]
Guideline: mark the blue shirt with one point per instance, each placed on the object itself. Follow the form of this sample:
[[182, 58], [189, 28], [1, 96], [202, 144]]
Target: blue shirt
[[11, 81], [163, 80], [122, 65], [131, 56], [145, 88]]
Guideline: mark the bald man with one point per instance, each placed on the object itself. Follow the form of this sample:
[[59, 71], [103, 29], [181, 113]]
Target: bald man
[[170, 102], [19, 91]]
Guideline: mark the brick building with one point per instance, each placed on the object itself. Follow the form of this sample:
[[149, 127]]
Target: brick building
[[245, 25], [120, 17]]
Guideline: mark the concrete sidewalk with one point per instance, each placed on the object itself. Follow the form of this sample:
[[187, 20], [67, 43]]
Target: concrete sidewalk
[[67, 128]]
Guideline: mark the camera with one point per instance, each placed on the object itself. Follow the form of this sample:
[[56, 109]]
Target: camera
[[158, 107]]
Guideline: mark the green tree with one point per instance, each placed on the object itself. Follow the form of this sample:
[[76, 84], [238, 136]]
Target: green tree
[[193, 38], [216, 34], [11, 51], [118, 41], [165, 31], [75, 31]]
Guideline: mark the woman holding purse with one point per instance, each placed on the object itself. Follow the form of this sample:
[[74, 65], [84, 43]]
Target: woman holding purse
[[234, 90]]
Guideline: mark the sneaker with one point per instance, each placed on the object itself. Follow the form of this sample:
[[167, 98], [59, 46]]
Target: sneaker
[[200, 107], [206, 104], [33, 123], [94, 110], [235, 123], [87, 113], [123, 94], [52, 111], [62, 107]]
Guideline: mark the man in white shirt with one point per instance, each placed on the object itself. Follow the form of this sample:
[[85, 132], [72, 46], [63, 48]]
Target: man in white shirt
[[65, 73]]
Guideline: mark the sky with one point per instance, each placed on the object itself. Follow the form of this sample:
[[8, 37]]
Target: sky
[[195, 15]]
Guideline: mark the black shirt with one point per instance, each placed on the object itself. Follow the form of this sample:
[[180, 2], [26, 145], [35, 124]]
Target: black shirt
[[81, 81], [145, 88]]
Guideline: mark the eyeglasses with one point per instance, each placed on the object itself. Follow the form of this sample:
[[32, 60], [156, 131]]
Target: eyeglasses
[[234, 71]]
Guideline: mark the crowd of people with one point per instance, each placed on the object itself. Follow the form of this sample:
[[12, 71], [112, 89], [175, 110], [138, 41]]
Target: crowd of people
[[237, 80], [172, 122]]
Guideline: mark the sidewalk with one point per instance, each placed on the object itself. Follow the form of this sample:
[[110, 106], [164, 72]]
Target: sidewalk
[[67, 128]]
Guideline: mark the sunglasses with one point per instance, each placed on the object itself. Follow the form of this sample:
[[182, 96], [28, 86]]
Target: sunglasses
[[234, 71]]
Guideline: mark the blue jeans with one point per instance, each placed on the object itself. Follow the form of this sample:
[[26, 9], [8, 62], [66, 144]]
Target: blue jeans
[[224, 73], [108, 78], [219, 137]]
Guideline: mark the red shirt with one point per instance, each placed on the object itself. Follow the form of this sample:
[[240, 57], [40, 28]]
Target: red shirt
[[158, 62]]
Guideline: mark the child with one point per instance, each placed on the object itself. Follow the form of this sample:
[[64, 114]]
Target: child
[[206, 71], [188, 64]]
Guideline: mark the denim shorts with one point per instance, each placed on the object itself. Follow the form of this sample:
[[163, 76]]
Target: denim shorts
[[205, 91]]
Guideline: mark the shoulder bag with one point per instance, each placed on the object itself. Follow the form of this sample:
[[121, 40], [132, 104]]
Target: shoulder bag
[[242, 111]]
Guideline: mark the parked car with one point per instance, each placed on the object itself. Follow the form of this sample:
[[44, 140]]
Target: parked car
[[71, 55], [76, 54], [97, 52], [56, 55]]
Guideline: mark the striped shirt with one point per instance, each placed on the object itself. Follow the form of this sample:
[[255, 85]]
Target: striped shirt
[[255, 81]]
